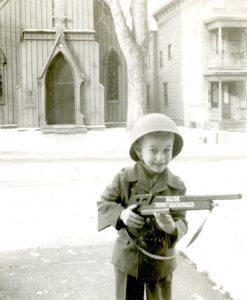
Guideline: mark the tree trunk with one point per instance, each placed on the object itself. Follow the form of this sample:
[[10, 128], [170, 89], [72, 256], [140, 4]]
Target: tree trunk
[[136, 89], [134, 44]]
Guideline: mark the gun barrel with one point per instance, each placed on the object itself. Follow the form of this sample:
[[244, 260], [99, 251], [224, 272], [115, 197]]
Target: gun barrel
[[198, 197], [147, 204]]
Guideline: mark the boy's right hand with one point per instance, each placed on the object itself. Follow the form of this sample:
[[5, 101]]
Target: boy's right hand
[[132, 219]]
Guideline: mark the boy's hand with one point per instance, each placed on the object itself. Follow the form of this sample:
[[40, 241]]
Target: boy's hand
[[165, 222], [130, 218]]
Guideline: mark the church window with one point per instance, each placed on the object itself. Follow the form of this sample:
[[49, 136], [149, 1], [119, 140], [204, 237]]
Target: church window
[[113, 84]]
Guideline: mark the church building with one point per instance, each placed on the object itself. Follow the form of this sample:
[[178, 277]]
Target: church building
[[61, 67]]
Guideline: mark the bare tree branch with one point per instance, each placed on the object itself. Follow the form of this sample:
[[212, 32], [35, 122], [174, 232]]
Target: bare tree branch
[[103, 18], [126, 41]]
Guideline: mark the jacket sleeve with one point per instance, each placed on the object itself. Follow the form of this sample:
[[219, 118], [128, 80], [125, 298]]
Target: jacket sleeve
[[109, 207]]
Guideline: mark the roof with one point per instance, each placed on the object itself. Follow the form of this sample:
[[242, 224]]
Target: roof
[[167, 7]]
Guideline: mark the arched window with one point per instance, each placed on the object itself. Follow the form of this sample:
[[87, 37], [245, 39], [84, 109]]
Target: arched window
[[112, 75], [2, 64]]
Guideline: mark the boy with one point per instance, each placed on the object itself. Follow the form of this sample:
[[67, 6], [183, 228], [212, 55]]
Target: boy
[[145, 265]]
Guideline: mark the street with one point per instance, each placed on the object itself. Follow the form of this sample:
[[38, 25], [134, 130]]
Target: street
[[39, 192]]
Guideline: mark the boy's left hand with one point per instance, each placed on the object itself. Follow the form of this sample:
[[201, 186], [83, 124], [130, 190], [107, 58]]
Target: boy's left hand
[[165, 222]]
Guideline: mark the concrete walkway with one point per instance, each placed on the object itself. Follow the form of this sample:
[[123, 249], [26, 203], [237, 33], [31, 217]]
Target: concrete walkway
[[82, 273]]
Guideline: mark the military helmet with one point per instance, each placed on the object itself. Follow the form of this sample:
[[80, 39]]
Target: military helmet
[[155, 122]]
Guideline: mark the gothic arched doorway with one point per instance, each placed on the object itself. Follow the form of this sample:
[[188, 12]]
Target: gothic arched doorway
[[60, 98]]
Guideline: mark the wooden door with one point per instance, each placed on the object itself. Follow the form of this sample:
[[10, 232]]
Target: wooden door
[[60, 100]]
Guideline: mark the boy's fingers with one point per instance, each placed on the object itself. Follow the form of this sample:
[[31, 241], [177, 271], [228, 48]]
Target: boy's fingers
[[134, 225], [134, 222], [163, 217], [160, 215], [133, 214], [136, 216], [137, 220]]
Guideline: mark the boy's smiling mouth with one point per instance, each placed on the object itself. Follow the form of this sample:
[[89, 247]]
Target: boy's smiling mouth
[[160, 165]]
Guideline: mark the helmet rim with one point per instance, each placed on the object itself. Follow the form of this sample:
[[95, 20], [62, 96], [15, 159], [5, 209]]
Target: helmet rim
[[155, 122]]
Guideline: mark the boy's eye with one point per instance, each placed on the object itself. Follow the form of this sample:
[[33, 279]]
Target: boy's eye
[[168, 150]]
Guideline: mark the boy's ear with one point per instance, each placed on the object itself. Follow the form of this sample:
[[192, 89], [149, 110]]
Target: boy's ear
[[137, 149], [138, 153]]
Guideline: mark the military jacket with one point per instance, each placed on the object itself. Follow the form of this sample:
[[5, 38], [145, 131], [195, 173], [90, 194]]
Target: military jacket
[[126, 256]]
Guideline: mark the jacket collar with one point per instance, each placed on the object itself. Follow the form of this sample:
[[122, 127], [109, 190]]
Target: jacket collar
[[166, 178]]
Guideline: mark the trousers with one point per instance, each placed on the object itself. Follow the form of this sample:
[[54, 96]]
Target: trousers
[[130, 288]]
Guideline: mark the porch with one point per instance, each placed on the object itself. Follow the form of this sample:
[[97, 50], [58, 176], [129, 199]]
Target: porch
[[238, 126], [227, 42], [227, 102]]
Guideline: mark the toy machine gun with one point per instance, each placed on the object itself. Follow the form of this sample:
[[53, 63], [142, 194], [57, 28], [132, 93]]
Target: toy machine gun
[[148, 204]]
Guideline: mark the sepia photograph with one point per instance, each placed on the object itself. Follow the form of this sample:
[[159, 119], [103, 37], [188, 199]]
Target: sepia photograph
[[123, 153]]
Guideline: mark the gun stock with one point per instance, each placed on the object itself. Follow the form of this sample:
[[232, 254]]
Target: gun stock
[[148, 204]]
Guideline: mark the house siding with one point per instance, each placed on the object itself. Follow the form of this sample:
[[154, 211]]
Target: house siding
[[169, 33]]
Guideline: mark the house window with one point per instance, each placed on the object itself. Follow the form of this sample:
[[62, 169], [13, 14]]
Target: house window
[[169, 51], [214, 94], [148, 96], [113, 86], [165, 93], [161, 59]]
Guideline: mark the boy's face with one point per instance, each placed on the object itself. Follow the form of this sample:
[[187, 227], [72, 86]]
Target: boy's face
[[155, 150]]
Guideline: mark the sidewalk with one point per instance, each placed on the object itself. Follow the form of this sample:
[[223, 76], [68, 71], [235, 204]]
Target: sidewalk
[[82, 273]]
